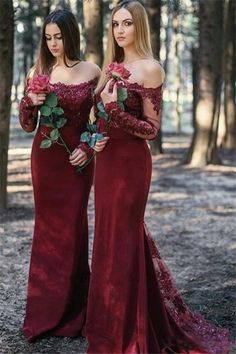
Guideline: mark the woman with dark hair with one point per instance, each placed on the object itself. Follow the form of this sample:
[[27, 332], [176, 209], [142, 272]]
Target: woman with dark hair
[[133, 304], [59, 271]]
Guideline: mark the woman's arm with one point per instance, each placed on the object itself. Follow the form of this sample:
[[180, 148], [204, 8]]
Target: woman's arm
[[28, 114], [151, 92]]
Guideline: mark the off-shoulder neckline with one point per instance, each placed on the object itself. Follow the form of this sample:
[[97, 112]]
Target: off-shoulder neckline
[[74, 85], [141, 86]]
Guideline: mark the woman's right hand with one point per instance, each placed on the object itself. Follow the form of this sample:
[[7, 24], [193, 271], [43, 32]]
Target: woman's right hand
[[37, 98], [100, 144]]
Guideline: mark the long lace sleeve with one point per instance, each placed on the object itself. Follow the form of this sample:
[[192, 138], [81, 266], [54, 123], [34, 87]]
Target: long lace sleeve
[[87, 149], [28, 114], [85, 146], [149, 125]]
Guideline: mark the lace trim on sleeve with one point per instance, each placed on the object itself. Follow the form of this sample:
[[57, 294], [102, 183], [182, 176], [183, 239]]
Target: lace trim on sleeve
[[128, 122], [28, 114], [87, 149], [154, 94]]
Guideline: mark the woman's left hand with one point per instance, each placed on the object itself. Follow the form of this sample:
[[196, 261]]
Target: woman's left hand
[[109, 93], [78, 157]]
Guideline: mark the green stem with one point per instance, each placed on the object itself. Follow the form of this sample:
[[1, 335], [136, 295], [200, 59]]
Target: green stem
[[80, 168], [64, 144]]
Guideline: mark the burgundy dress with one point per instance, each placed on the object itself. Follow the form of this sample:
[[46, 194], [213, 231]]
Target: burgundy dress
[[133, 304], [59, 271]]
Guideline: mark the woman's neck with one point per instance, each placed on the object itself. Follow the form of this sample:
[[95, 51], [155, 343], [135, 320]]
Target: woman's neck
[[64, 62], [130, 55]]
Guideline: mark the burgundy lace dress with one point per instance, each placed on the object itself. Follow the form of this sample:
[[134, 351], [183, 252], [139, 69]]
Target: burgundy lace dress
[[59, 272], [133, 304]]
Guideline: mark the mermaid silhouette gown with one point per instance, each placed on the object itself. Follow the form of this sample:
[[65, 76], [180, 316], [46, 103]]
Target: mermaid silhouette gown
[[59, 272], [133, 304]]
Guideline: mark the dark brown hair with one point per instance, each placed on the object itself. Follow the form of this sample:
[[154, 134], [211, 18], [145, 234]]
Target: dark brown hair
[[69, 28]]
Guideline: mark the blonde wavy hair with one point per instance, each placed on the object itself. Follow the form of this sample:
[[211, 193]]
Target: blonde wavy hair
[[142, 40]]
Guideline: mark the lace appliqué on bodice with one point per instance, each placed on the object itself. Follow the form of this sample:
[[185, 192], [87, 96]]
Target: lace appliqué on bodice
[[76, 101], [194, 324], [141, 116]]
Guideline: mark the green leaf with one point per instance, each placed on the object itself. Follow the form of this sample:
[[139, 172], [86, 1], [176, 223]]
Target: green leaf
[[121, 94], [57, 111], [60, 122], [51, 100], [45, 111], [45, 143], [92, 128], [100, 106], [54, 134], [121, 105], [46, 121], [101, 111], [85, 137], [99, 136], [103, 115], [92, 141]]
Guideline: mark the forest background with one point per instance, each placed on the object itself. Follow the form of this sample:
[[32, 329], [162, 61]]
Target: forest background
[[192, 200]]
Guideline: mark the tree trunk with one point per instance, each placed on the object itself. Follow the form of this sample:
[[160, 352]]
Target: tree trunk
[[203, 149], [229, 140], [6, 74], [46, 5], [168, 36], [176, 30], [195, 82], [154, 13], [28, 36], [93, 24]]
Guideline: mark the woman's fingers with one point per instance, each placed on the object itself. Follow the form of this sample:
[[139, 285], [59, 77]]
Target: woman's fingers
[[109, 93], [79, 162], [37, 98], [41, 96], [100, 145], [78, 157], [109, 85]]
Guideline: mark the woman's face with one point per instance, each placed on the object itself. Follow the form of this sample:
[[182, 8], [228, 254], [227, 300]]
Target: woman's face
[[123, 28], [54, 40]]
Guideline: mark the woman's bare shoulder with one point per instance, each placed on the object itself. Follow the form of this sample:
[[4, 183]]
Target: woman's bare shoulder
[[92, 68], [154, 74]]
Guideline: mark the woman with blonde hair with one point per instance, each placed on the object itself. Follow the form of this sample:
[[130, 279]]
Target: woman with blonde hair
[[133, 304]]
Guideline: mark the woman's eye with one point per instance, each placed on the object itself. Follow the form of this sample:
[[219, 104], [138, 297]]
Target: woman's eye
[[128, 23], [48, 39], [115, 24]]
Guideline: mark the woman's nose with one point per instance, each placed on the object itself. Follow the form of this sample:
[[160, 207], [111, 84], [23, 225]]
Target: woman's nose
[[54, 42], [120, 28]]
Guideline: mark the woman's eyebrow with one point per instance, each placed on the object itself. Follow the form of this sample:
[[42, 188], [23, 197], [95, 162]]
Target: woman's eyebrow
[[47, 34], [126, 19]]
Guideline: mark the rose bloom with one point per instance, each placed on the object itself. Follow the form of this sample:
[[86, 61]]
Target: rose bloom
[[117, 71], [40, 83]]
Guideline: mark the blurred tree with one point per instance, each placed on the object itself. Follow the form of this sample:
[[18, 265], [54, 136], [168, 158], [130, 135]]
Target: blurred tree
[[229, 140], [6, 74], [154, 13], [46, 7], [93, 24], [177, 66], [168, 35], [28, 14], [203, 149]]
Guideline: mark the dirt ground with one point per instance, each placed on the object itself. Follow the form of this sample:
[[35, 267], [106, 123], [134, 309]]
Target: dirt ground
[[191, 214]]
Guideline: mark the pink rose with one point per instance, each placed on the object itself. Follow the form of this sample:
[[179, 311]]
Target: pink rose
[[117, 71], [40, 83]]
